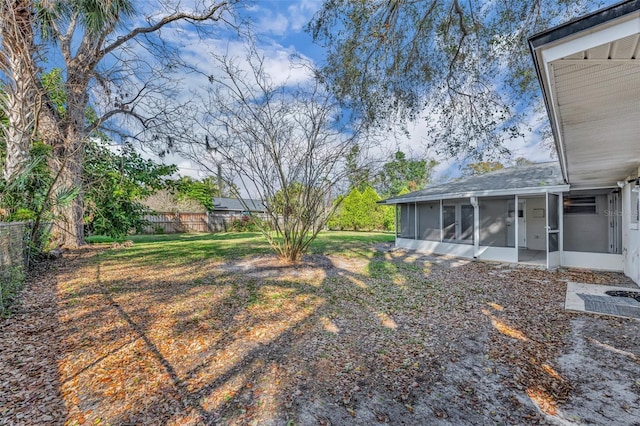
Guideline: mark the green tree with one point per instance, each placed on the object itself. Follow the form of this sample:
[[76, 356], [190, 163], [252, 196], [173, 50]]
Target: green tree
[[372, 212], [482, 167], [335, 219], [352, 212], [82, 35], [361, 211], [388, 218], [389, 60], [114, 184], [357, 174], [201, 191], [24, 195], [401, 172]]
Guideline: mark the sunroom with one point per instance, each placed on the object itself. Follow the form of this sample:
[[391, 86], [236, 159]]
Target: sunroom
[[524, 214]]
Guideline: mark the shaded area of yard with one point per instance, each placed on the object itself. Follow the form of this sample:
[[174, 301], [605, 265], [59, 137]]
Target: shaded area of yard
[[213, 330]]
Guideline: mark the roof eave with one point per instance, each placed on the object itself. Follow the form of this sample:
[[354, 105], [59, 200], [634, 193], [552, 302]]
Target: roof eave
[[557, 140], [543, 40], [488, 193]]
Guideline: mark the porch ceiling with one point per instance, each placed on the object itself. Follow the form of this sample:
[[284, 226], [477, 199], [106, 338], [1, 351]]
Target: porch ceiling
[[591, 80]]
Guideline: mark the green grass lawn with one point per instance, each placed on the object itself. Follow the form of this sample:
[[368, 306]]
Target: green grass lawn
[[185, 248]]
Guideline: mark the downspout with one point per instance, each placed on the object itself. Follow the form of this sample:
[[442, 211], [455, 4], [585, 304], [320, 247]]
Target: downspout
[[441, 230], [516, 215], [396, 207], [476, 227], [415, 221]]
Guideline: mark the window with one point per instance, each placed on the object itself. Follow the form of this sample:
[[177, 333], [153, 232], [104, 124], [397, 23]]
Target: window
[[580, 205]]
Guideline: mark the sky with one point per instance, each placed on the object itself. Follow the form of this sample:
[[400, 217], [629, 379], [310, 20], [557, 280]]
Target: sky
[[279, 26]]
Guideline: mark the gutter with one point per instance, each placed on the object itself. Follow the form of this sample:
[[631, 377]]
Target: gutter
[[489, 193]]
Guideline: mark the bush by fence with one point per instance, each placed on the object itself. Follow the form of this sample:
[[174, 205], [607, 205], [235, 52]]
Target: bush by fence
[[14, 260]]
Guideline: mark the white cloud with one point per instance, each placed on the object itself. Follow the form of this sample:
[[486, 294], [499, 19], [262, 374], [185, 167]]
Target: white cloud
[[300, 13], [269, 20], [277, 24]]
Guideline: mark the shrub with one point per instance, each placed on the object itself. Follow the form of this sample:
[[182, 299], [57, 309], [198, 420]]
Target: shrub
[[246, 224]]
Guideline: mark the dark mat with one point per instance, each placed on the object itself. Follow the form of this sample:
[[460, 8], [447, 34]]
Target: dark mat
[[621, 306]]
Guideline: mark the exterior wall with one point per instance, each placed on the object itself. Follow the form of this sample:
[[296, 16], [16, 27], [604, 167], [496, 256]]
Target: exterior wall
[[429, 221], [630, 236], [536, 233], [599, 261], [588, 232], [452, 249], [500, 254]]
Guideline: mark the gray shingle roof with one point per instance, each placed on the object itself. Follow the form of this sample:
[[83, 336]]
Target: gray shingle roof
[[506, 180], [236, 205]]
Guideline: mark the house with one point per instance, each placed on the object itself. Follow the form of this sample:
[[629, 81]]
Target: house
[[582, 212], [235, 206]]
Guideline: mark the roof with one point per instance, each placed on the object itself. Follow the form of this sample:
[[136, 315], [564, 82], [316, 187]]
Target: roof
[[238, 205], [584, 22], [528, 179], [589, 71]]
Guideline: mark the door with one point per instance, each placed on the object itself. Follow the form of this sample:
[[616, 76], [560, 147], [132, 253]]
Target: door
[[512, 216], [449, 222], [522, 225], [457, 223], [553, 230], [466, 222]]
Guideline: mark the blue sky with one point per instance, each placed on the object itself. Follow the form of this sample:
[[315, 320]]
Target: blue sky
[[279, 26]]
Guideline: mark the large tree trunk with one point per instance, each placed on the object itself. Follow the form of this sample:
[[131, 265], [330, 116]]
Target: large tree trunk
[[20, 89], [69, 217], [66, 138]]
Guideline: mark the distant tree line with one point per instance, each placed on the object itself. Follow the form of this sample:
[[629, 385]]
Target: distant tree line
[[358, 208]]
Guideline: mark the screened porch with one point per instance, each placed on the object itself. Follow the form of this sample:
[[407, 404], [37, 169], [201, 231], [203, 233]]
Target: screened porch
[[577, 228]]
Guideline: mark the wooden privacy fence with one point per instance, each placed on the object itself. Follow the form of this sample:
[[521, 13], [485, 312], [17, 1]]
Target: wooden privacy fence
[[171, 223]]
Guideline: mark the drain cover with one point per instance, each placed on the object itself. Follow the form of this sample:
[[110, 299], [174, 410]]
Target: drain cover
[[618, 293]]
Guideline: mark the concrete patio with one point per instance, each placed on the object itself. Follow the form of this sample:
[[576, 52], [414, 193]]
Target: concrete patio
[[593, 298]]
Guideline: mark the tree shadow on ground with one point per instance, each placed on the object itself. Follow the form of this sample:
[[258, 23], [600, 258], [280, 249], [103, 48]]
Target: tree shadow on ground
[[385, 336]]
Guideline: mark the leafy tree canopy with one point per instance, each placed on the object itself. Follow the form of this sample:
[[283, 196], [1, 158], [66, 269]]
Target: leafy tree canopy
[[358, 210], [401, 172], [114, 184], [466, 63], [482, 167], [359, 176], [201, 191]]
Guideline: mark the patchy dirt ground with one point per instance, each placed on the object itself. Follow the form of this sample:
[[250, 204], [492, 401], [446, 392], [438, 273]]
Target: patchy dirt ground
[[396, 338]]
